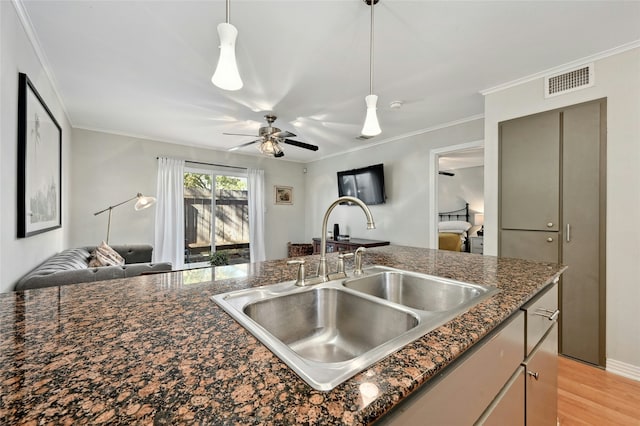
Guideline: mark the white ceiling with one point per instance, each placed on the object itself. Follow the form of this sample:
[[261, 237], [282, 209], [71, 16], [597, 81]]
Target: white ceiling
[[473, 157], [143, 68]]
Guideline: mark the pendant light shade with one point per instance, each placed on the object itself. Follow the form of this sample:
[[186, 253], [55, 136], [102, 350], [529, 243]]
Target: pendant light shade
[[371, 126], [226, 75]]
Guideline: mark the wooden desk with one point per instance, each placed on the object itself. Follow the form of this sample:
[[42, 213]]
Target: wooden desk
[[350, 245]]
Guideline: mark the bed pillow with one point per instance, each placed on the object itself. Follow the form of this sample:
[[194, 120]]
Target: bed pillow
[[454, 226]]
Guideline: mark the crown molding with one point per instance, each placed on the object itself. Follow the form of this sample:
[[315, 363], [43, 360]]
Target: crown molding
[[29, 30]]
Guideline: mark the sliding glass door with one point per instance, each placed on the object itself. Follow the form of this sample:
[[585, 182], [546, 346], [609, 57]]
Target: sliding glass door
[[216, 217]]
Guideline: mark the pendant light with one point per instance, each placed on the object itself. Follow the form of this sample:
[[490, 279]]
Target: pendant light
[[227, 76], [371, 126]]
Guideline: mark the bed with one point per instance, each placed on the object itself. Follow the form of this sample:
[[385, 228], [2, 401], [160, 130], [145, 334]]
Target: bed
[[452, 230]]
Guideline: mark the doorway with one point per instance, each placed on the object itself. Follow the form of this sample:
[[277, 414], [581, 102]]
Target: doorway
[[216, 218], [454, 177]]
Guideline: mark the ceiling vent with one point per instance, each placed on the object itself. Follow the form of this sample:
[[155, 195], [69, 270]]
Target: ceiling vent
[[569, 81]]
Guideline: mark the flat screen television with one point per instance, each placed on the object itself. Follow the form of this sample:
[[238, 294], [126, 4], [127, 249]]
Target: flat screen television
[[366, 183]]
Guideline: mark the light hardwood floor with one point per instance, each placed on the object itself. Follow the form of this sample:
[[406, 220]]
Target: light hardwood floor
[[590, 396]]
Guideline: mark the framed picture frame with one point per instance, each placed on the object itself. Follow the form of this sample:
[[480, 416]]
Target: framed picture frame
[[39, 163], [283, 194]]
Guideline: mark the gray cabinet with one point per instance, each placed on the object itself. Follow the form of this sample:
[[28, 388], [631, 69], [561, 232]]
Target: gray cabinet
[[492, 383], [541, 391], [552, 208], [534, 245], [531, 155]]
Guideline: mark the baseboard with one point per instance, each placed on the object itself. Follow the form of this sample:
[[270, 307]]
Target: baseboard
[[623, 369]]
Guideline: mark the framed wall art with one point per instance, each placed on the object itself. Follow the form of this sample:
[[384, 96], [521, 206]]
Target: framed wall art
[[39, 163], [284, 194]]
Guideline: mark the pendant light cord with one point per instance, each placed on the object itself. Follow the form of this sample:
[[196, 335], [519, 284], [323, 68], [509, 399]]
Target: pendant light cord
[[228, 12], [371, 52]]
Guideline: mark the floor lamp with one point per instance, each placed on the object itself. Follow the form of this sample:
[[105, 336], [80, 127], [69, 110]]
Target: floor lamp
[[142, 203]]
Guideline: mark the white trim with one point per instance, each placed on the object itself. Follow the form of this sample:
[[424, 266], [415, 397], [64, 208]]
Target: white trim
[[433, 184], [403, 136], [560, 68], [623, 369], [42, 58]]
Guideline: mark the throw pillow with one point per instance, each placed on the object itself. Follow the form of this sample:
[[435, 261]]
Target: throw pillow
[[94, 262], [108, 256]]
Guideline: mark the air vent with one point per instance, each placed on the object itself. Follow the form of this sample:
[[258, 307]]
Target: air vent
[[568, 81]]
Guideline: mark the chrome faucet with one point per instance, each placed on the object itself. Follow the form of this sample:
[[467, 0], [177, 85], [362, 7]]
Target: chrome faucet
[[322, 266]]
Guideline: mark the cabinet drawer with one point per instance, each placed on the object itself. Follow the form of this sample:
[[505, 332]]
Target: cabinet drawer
[[541, 313], [542, 381], [508, 407]]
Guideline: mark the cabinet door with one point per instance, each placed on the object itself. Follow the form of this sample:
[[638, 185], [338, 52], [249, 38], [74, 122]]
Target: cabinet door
[[530, 172], [542, 382], [583, 210], [531, 245]]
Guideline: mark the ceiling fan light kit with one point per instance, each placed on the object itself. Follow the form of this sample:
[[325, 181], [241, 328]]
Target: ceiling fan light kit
[[227, 76], [371, 126], [271, 137]]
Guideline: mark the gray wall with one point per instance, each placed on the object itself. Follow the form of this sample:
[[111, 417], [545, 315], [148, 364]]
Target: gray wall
[[617, 78], [404, 219], [108, 168], [18, 256]]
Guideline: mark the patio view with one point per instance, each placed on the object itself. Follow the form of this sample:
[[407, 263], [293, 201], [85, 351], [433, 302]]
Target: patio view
[[216, 208]]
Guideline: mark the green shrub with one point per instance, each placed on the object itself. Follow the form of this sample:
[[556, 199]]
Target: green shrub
[[219, 258]]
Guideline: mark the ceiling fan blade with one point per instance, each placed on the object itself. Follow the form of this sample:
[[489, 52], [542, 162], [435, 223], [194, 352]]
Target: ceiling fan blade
[[244, 144], [279, 154], [300, 144], [283, 134], [237, 134]]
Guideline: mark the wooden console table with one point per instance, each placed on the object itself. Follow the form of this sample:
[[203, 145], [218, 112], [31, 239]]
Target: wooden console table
[[350, 245]]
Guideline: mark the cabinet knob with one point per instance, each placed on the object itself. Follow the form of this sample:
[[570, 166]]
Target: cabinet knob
[[535, 375], [550, 225], [549, 240]]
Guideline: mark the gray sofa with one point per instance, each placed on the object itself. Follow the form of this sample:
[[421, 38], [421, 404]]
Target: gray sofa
[[71, 266]]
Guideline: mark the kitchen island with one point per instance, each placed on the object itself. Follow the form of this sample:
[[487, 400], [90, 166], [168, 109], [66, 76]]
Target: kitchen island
[[155, 349]]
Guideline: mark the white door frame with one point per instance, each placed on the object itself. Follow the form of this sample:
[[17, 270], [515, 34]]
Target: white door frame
[[433, 168]]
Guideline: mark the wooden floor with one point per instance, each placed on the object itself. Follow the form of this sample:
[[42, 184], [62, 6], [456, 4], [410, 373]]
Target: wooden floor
[[591, 396]]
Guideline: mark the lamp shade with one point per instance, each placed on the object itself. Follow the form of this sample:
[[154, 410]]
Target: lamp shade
[[144, 202], [478, 219], [371, 126], [226, 75]]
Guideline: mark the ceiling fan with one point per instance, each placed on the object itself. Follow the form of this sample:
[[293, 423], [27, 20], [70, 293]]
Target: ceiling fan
[[270, 139]]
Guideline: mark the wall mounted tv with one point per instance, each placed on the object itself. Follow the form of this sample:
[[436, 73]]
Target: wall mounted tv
[[366, 183]]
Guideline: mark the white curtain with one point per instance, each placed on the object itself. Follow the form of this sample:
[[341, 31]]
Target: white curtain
[[255, 185], [169, 233]]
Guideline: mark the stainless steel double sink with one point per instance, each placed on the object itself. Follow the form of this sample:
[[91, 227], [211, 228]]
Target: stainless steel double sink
[[328, 332]]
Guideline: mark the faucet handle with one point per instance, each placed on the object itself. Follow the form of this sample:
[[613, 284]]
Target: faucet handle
[[341, 258], [358, 261], [301, 270]]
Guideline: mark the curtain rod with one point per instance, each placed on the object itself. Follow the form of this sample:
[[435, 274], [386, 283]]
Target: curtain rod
[[212, 164]]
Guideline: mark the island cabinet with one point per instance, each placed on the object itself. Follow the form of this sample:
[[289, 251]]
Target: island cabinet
[[508, 378]]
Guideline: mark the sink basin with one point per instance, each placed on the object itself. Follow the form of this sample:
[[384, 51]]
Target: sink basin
[[418, 291], [328, 332], [329, 325]]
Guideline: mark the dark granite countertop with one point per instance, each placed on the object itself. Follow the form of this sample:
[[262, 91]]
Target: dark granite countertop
[[156, 350]]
